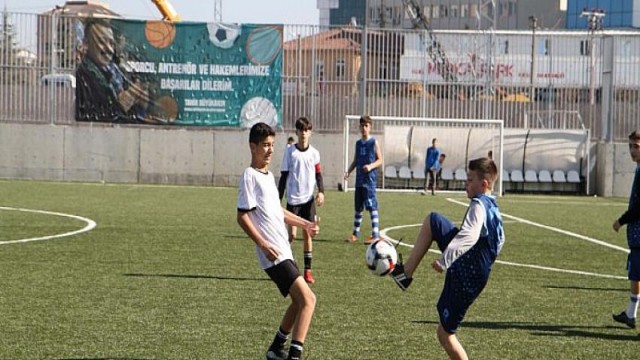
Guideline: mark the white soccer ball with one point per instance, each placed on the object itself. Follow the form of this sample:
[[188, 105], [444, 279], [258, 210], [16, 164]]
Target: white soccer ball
[[223, 35], [381, 257]]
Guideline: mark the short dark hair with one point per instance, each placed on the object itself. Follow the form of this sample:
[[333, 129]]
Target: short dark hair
[[485, 168], [259, 132], [303, 124], [365, 119], [635, 135]]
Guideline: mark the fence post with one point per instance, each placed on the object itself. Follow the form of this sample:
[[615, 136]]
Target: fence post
[[607, 101], [363, 71]]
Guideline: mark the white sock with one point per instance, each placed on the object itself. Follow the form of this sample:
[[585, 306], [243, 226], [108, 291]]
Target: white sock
[[632, 309]]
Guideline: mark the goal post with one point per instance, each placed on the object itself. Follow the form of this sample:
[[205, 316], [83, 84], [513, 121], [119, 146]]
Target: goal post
[[404, 142]]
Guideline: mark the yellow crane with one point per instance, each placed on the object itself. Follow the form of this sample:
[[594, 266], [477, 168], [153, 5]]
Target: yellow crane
[[167, 11]]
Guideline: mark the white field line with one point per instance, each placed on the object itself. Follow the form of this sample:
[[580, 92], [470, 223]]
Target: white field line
[[90, 225], [383, 233]]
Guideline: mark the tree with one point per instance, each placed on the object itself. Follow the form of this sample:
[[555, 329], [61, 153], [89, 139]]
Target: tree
[[8, 50]]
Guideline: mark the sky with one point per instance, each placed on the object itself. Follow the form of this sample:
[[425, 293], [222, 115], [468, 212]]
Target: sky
[[237, 11]]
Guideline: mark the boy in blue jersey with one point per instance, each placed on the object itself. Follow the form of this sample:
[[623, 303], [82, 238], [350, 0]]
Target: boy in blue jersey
[[366, 160], [631, 218], [431, 166], [467, 253]]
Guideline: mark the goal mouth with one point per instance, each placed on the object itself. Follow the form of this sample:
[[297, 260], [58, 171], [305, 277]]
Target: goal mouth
[[404, 141]]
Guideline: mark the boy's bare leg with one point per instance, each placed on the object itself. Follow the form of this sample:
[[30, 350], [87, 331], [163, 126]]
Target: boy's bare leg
[[451, 344], [292, 232], [303, 304], [420, 248]]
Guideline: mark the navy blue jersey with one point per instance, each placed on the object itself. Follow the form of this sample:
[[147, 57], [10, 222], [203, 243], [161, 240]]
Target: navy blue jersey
[[366, 154]]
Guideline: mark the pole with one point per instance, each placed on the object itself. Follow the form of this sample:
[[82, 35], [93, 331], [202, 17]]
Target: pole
[[533, 21]]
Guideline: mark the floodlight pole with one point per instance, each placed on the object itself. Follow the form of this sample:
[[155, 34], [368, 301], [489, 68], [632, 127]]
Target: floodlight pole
[[594, 21], [533, 21]]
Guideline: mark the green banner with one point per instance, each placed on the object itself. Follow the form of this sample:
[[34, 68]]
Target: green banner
[[159, 72]]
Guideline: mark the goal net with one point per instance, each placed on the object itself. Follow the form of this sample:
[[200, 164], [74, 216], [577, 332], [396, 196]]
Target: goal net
[[404, 142]]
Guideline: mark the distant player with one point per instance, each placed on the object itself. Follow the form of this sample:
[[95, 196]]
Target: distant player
[[366, 160], [300, 173], [263, 219], [468, 253], [631, 218], [431, 166]]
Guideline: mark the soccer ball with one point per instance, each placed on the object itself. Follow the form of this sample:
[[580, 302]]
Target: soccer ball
[[381, 257], [223, 35]]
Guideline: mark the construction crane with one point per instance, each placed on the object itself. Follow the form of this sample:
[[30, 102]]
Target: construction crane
[[167, 11], [433, 47]]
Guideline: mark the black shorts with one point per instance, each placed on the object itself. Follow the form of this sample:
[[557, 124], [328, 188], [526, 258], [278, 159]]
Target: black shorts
[[306, 211], [283, 274]]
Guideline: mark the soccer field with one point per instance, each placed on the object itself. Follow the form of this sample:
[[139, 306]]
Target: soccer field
[[166, 273]]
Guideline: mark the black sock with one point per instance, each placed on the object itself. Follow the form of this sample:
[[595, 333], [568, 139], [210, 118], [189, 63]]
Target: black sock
[[307, 260], [279, 340], [295, 351]]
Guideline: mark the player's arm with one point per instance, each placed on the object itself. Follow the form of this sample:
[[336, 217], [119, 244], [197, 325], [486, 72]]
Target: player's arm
[[247, 225], [351, 166], [468, 235], [294, 220], [378, 162], [631, 215], [320, 184], [282, 183]]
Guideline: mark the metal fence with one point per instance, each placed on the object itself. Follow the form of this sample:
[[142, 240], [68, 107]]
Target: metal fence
[[531, 79]]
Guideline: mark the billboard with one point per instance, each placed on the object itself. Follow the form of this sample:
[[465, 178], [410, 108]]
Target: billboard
[[157, 72]]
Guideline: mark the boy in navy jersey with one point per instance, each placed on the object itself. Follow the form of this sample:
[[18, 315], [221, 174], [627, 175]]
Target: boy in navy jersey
[[467, 253], [366, 160], [631, 218]]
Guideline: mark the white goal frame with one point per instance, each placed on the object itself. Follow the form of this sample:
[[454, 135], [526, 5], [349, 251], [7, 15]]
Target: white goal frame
[[348, 142]]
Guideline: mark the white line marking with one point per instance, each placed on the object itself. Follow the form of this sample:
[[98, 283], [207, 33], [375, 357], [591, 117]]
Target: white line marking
[[550, 228], [383, 233], [90, 225]]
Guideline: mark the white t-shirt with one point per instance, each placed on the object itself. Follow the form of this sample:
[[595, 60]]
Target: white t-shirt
[[258, 193], [301, 165]]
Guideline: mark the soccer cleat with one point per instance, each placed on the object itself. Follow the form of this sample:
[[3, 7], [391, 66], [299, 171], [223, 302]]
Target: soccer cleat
[[624, 319], [370, 239], [352, 238], [399, 277], [279, 354], [308, 277]]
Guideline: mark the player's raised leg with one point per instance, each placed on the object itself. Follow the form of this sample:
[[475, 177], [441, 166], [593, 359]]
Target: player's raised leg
[[403, 273]]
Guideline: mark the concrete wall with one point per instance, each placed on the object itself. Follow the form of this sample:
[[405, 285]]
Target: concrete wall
[[145, 155], [201, 156]]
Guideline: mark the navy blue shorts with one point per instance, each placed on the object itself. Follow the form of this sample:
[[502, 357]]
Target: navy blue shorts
[[442, 229], [461, 286], [633, 264], [365, 198], [283, 274]]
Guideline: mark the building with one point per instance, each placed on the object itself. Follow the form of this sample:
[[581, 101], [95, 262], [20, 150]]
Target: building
[[447, 14], [57, 34]]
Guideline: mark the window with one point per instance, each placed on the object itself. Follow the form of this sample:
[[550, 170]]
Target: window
[[340, 68], [585, 47], [464, 11], [454, 11], [435, 11], [427, 11], [504, 47], [444, 11], [543, 47]]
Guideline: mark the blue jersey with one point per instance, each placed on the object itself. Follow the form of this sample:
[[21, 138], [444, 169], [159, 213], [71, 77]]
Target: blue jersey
[[633, 225], [432, 160], [366, 154]]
